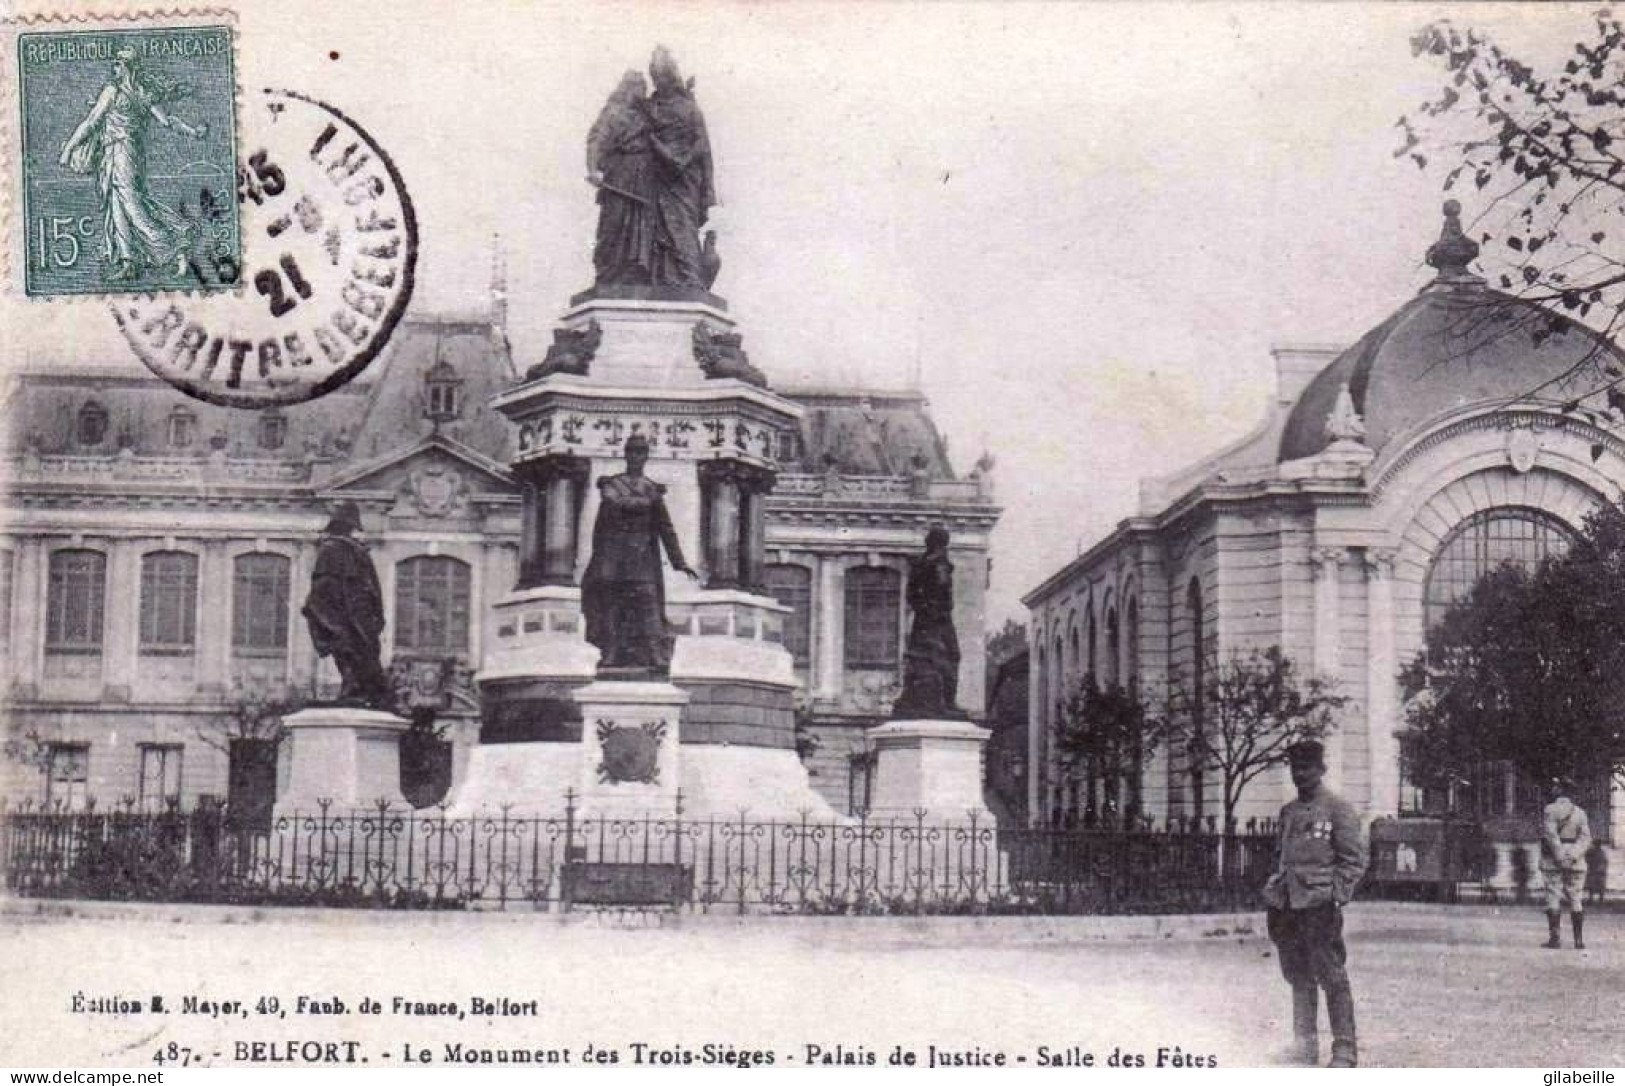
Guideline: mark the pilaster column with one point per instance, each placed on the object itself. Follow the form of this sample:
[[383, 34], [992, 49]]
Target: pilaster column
[[831, 607], [214, 629], [754, 489], [121, 619], [27, 633], [721, 503], [559, 550], [1382, 678], [301, 651], [1328, 564], [532, 518]]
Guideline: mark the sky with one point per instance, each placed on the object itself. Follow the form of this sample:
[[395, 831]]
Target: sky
[[1079, 228]]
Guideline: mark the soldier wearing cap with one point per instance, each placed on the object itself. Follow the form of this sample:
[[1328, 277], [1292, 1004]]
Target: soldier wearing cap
[[1322, 857], [1565, 839]]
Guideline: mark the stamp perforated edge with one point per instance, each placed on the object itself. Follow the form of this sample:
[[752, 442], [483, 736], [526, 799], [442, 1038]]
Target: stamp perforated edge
[[13, 255]]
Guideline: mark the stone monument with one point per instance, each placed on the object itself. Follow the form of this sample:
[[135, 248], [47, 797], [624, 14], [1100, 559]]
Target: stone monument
[[346, 753], [645, 432], [929, 756]]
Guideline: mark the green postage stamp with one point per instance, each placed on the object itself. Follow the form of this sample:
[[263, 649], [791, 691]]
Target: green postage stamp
[[129, 160]]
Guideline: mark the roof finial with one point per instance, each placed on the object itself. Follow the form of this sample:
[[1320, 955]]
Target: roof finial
[[1454, 250]]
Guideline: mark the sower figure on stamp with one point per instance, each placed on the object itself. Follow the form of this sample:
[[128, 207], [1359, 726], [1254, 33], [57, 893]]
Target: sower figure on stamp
[[623, 595], [139, 232], [345, 610], [1564, 841], [1322, 857]]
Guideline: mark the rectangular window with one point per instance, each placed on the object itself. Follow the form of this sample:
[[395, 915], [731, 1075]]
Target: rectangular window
[[792, 587], [873, 625], [67, 773], [73, 621], [259, 605], [432, 605], [160, 775], [273, 431], [168, 603]]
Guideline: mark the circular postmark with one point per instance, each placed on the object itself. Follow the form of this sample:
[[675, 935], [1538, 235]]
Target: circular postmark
[[330, 254]]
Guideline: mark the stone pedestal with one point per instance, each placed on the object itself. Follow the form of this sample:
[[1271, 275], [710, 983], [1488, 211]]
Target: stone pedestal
[[350, 757], [929, 765], [629, 748]]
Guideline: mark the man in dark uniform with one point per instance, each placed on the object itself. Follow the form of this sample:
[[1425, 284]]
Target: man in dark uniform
[[345, 610], [1322, 857]]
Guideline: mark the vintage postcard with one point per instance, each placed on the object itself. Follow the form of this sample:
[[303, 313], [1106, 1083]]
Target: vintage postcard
[[816, 535]]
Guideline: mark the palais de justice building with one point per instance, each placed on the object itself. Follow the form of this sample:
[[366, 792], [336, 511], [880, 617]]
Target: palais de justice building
[[155, 552], [1384, 481]]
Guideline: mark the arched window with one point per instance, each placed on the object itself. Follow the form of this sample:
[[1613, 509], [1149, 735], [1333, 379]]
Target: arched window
[[1090, 660], [259, 604], [168, 602], [1481, 543], [1131, 645], [1108, 669], [432, 605], [874, 595], [1193, 601], [792, 586], [1516, 535], [74, 597], [92, 428]]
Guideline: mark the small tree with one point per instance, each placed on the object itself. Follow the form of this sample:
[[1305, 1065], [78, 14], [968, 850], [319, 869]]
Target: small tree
[[251, 713], [1249, 711], [1107, 733]]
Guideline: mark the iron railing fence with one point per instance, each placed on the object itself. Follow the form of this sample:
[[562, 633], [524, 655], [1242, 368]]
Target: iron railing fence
[[397, 858]]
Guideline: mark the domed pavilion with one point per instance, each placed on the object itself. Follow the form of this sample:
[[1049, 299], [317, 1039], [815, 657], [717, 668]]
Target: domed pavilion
[[1385, 480]]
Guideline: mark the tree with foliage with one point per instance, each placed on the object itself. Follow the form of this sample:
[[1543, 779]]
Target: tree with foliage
[[1528, 668], [1106, 734], [1248, 712], [252, 712], [1546, 151]]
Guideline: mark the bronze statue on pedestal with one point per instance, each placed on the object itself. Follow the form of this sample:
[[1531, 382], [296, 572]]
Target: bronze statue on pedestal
[[931, 659], [345, 611], [623, 595]]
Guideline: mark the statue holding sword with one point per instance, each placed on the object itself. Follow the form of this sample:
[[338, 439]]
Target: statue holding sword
[[650, 159]]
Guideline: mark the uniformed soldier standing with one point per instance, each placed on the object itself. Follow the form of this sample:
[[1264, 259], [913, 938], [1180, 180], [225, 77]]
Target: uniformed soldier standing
[[1564, 842], [1322, 857]]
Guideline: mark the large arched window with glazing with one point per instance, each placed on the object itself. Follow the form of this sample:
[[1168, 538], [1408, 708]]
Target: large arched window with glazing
[[1483, 542], [1487, 540]]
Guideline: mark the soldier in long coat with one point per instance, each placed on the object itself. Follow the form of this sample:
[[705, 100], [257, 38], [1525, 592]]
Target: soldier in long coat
[[345, 610]]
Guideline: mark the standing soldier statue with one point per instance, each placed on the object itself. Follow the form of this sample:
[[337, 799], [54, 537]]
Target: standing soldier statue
[[345, 610], [1322, 857], [1564, 841]]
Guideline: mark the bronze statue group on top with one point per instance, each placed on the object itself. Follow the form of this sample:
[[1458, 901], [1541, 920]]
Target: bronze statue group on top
[[650, 158]]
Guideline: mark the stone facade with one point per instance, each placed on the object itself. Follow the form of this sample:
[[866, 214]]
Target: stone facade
[[154, 552], [1331, 530]]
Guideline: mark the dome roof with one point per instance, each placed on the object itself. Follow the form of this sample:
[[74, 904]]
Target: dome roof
[[1456, 343]]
